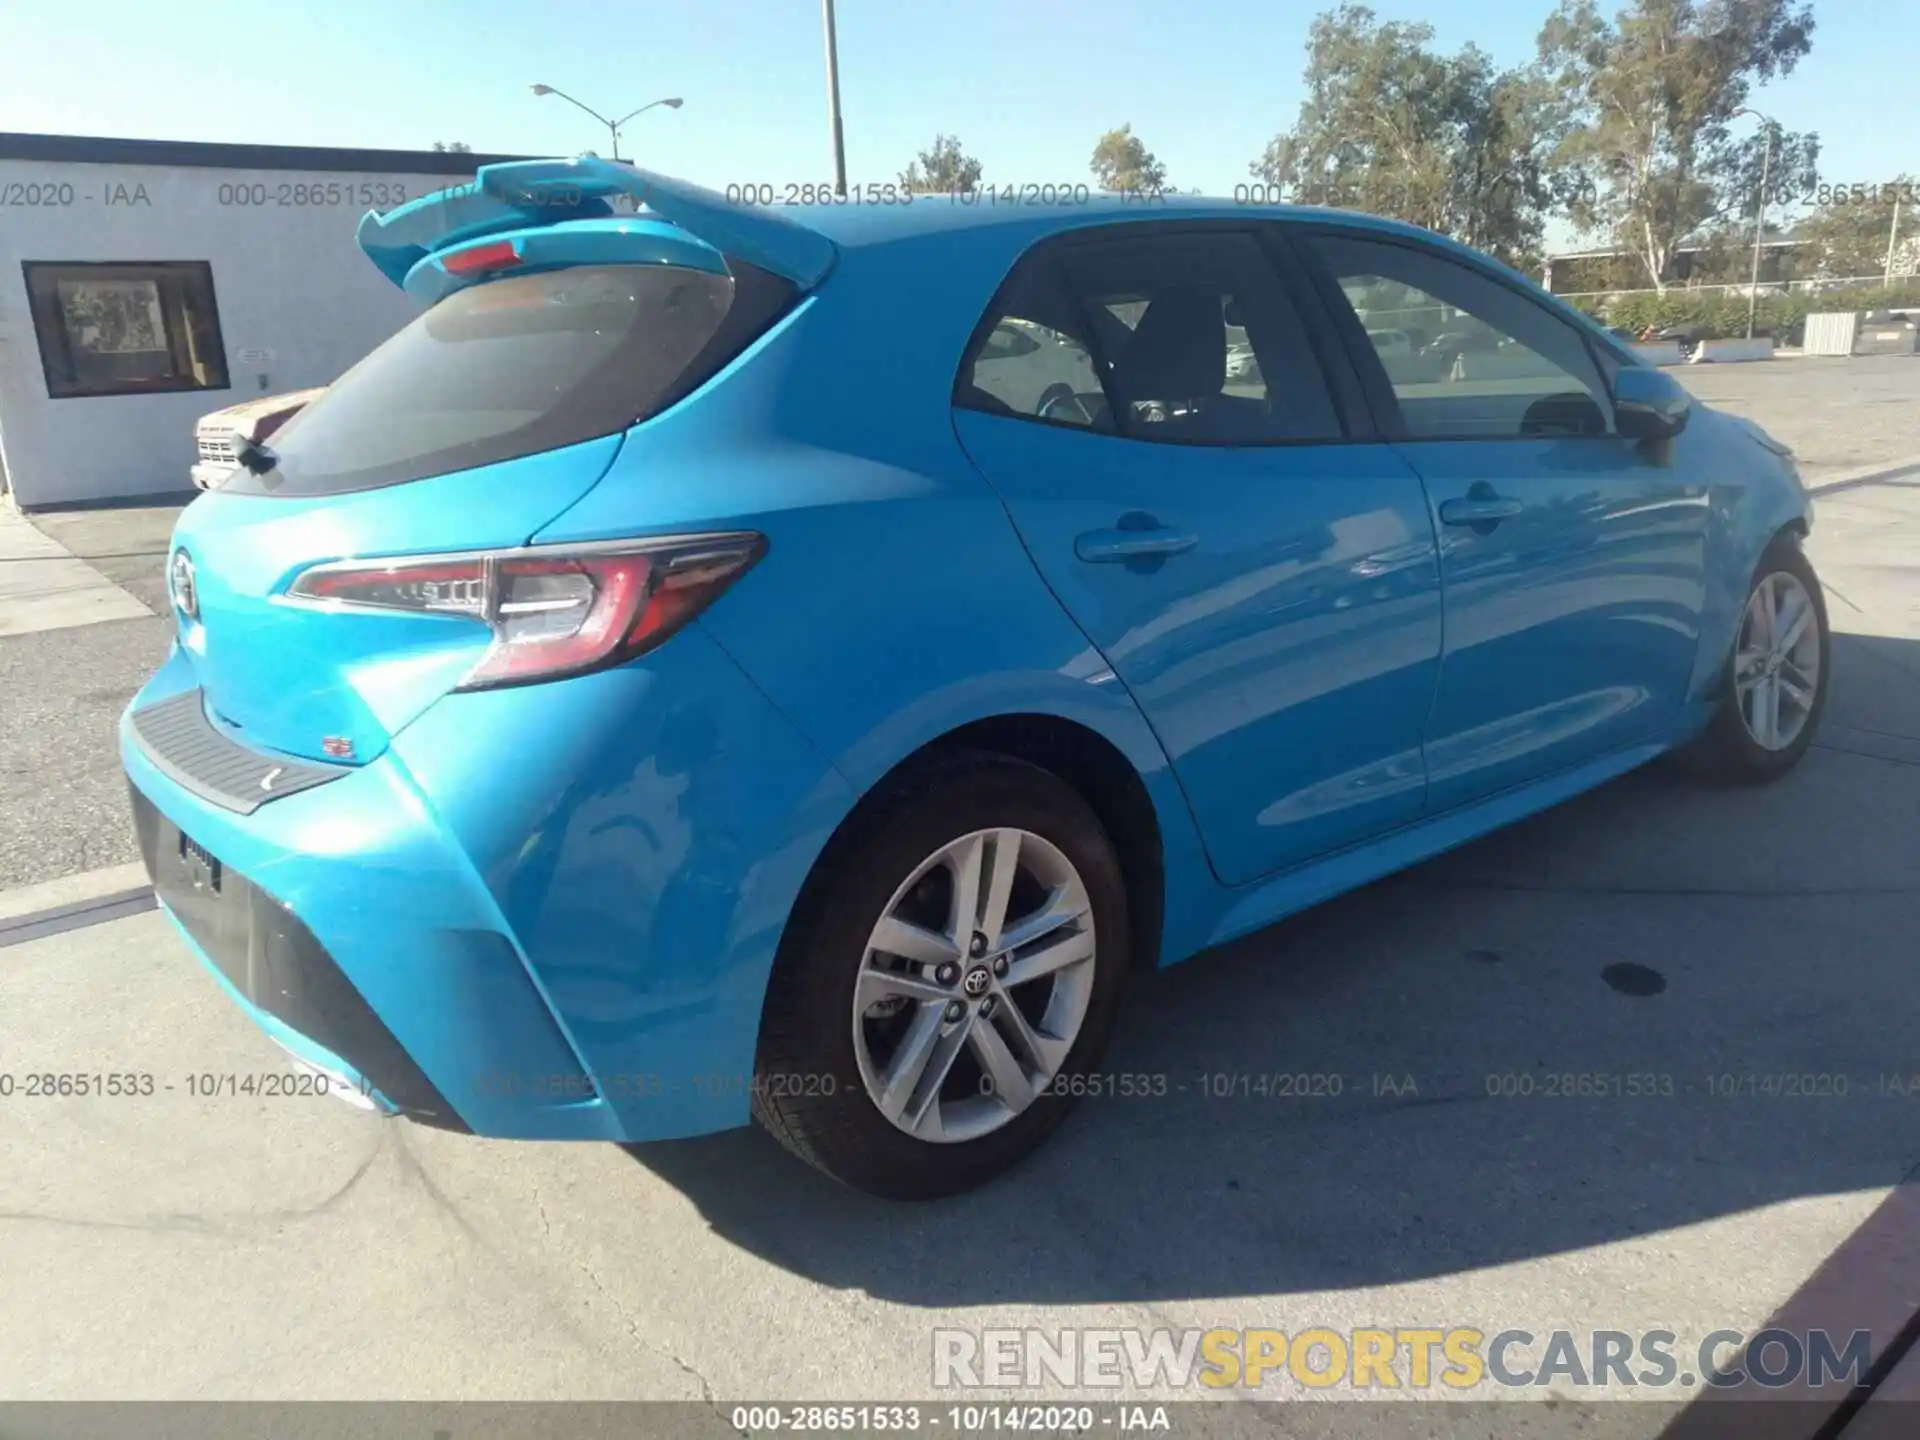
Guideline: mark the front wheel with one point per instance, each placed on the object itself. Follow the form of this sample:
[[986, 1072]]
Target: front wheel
[[949, 975], [1775, 686]]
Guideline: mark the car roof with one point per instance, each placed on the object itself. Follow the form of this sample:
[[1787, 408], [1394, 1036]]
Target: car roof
[[1007, 227]]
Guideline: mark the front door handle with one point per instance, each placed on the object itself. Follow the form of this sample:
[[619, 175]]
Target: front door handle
[[1099, 545], [1479, 510]]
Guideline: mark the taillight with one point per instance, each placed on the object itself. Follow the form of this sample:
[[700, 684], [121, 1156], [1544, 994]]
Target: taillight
[[553, 612]]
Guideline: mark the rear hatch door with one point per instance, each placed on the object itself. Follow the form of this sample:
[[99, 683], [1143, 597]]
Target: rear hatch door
[[470, 430]]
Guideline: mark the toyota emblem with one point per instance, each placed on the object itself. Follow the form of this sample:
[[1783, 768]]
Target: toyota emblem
[[186, 594], [977, 981]]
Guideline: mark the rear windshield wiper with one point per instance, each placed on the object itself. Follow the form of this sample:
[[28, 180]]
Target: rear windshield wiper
[[256, 458]]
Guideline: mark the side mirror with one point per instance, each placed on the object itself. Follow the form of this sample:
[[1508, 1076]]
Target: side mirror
[[1649, 404]]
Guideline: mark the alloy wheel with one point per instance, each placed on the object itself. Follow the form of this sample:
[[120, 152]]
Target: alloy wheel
[[974, 985], [1776, 664]]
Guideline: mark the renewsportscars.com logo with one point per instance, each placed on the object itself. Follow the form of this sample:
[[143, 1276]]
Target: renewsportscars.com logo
[[1397, 1358]]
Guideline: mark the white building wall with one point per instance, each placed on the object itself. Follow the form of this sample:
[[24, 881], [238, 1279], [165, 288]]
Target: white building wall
[[288, 279]]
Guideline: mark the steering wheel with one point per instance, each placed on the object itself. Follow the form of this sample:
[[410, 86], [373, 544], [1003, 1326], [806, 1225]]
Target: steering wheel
[[1059, 402]]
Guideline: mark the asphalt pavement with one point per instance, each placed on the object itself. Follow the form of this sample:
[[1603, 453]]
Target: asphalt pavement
[[205, 1243]]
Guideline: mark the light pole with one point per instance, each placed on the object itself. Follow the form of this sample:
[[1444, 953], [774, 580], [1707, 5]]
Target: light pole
[[833, 100], [1759, 212], [613, 126]]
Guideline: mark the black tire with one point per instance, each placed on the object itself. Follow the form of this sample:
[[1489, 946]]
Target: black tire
[[808, 1091], [1727, 751]]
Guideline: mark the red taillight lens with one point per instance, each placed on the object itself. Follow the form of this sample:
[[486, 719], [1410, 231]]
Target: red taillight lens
[[455, 587], [479, 259], [553, 612]]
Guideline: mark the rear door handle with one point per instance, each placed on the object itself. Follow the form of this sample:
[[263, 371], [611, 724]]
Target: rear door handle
[[1479, 510], [1099, 545]]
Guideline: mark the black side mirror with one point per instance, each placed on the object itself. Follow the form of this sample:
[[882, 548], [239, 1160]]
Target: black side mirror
[[1649, 404]]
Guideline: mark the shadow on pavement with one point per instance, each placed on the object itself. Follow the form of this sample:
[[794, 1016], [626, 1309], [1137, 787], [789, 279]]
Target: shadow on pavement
[[1448, 1007]]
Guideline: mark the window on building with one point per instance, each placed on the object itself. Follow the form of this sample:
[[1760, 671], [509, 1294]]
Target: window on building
[[126, 329]]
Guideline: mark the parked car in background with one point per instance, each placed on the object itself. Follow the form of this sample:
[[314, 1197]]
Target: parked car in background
[[726, 666], [218, 437], [1390, 343]]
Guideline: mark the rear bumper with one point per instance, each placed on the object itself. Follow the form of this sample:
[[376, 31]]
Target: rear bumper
[[271, 964], [573, 944]]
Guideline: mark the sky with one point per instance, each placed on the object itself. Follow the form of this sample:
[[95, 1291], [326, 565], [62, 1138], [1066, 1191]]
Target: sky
[[1027, 86]]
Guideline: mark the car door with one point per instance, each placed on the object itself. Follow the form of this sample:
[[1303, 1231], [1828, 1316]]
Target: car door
[[1572, 559], [1260, 577]]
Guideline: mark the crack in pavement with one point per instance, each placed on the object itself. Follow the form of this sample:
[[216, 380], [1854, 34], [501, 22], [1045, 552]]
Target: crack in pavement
[[632, 1325]]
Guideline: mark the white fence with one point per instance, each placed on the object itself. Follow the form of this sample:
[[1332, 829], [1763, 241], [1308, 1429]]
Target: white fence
[[1766, 288]]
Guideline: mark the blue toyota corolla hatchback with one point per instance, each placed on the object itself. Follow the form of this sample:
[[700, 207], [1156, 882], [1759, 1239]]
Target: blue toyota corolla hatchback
[[723, 662]]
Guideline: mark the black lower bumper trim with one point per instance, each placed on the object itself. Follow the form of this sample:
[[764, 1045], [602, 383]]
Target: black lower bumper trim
[[273, 960]]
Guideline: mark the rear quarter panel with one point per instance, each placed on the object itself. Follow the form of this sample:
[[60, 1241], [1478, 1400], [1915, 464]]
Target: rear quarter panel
[[895, 602]]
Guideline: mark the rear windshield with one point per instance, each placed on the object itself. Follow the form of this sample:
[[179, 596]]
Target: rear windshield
[[517, 366]]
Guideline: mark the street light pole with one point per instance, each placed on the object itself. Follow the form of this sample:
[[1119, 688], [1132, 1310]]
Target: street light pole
[[1893, 239], [613, 126], [833, 101], [1759, 215]]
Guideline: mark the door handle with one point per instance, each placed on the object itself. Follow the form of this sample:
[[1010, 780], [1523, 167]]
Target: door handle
[[1099, 545], [1479, 510]]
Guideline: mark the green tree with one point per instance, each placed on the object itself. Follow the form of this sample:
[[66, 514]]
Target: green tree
[[1122, 162], [1649, 153], [943, 169], [1850, 234], [1391, 127]]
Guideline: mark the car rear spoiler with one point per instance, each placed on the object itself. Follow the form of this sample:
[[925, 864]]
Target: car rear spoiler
[[516, 194]]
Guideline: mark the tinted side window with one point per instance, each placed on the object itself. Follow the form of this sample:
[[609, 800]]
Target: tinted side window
[[1199, 341], [1031, 361], [1175, 337], [1468, 357]]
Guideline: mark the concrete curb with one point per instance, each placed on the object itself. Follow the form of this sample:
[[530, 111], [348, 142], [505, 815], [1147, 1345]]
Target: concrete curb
[[1866, 475], [72, 890]]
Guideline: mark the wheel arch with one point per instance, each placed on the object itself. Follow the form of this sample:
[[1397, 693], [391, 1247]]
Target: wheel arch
[[1747, 522], [1097, 769]]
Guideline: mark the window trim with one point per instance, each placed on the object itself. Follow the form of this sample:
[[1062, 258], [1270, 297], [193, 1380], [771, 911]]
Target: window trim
[[1357, 426], [1382, 399], [47, 317]]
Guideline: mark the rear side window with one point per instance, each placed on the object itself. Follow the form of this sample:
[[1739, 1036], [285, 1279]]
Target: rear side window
[[517, 366], [1176, 337]]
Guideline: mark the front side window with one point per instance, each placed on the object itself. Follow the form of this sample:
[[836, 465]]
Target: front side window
[[1181, 337], [125, 329], [1467, 357]]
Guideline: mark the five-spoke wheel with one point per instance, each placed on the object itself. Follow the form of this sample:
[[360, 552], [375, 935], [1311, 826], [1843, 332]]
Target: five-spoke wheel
[[1776, 676], [955, 964], [1776, 667], [974, 984]]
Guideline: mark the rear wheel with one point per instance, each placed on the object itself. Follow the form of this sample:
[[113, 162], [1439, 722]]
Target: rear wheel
[[1775, 687], [944, 982]]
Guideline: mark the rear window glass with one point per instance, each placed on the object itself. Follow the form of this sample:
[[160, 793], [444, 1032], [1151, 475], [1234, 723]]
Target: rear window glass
[[516, 366]]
